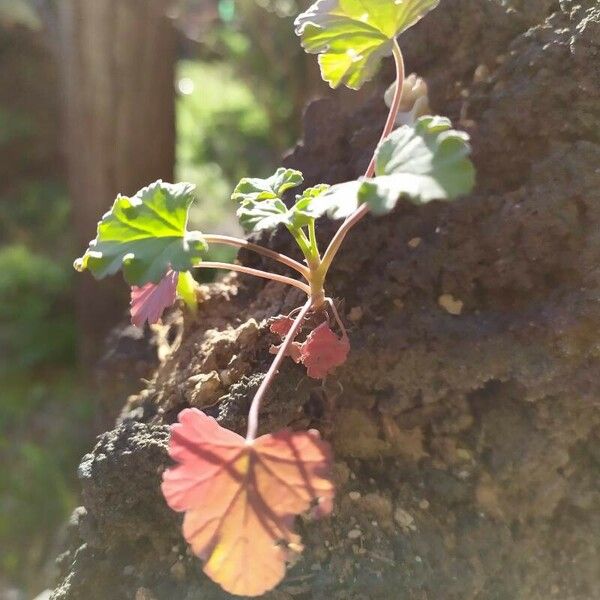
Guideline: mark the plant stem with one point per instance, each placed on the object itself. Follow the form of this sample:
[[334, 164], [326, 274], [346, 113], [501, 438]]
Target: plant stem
[[354, 218], [302, 242], [248, 271], [312, 236], [395, 107], [266, 382], [318, 268], [309, 248], [239, 243], [317, 284]]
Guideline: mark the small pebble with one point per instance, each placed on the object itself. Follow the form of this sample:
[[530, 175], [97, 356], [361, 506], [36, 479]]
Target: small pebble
[[450, 304], [404, 519], [355, 314], [482, 73], [247, 333], [354, 496], [354, 534], [415, 243], [424, 504]]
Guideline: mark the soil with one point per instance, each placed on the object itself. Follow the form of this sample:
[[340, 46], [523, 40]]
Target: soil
[[466, 422]]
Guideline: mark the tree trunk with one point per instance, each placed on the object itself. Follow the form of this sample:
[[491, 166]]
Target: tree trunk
[[118, 60], [465, 423]]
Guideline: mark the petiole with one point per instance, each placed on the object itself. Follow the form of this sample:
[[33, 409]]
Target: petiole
[[239, 243], [256, 273], [358, 215]]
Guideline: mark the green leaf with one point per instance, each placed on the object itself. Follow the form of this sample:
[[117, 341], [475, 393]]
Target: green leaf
[[261, 206], [306, 207], [338, 202], [429, 161], [255, 190], [258, 216], [268, 214], [424, 162], [352, 36], [145, 236]]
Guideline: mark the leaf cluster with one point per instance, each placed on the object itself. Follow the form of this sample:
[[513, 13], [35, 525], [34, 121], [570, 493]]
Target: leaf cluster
[[422, 162]]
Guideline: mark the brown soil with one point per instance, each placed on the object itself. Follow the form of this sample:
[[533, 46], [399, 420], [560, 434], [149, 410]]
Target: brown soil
[[466, 444]]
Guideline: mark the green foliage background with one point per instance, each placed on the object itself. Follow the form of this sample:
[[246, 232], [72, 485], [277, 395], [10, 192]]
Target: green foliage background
[[238, 108]]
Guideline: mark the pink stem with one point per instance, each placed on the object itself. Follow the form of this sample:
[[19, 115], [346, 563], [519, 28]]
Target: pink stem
[[354, 218], [239, 243], [248, 271], [266, 382], [395, 107]]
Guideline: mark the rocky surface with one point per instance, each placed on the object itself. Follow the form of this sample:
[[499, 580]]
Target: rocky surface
[[466, 421]]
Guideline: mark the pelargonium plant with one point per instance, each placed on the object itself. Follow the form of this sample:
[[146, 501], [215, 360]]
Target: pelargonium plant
[[241, 495]]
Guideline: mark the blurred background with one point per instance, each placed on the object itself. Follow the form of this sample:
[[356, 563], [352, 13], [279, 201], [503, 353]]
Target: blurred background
[[99, 97]]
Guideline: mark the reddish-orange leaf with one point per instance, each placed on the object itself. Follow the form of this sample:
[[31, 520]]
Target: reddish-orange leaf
[[294, 351], [281, 325], [240, 498], [150, 301], [323, 351]]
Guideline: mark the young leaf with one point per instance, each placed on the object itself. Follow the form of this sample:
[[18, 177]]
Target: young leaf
[[145, 236], [150, 301], [263, 208], [241, 498], [424, 162], [294, 351], [323, 351], [281, 325], [339, 201], [352, 36], [186, 290], [267, 189], [260, 199], [429, 161], [265, 214], [304, 210], [414, 102]]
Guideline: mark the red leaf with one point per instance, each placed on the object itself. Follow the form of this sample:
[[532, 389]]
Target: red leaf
[[294, 351], [323, 351], [149, 302], [240, 498], [281, 325]]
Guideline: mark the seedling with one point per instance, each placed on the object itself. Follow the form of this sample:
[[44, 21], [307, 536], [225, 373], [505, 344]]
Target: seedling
[[240, 496]]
